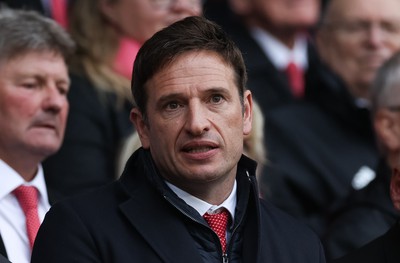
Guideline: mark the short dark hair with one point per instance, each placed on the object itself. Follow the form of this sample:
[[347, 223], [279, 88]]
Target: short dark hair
[[23, 31], [190, 34]]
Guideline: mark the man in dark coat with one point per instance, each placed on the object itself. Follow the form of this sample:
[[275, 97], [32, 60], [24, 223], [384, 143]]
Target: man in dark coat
[[376, 213], [192, 112]]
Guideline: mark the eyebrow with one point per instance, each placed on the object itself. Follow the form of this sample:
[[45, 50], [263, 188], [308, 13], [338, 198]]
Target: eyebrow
[[180, 95]]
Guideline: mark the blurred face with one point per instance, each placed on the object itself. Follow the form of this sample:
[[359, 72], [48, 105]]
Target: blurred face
[[280, 14], [358, 37], [195, 121], [33, 105], [140, 19]]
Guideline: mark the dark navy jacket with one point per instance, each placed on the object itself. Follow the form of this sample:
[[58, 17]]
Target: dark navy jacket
[[139, 219]]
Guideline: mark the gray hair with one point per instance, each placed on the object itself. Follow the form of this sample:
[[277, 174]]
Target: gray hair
[[24, 31], [387, 81]]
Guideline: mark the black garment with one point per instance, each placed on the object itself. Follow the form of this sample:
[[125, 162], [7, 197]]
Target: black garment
[[362, 217], [140, 219], [95, 129], [384, 249], [319, 146]]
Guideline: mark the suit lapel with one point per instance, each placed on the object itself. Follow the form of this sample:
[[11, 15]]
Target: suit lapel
[[161, 227]]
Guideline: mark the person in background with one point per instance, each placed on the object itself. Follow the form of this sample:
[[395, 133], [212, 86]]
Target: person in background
[[368, 213], [326, 147], [274, 37], [108, 34], [385, 248], [189, 194], [34, 84]]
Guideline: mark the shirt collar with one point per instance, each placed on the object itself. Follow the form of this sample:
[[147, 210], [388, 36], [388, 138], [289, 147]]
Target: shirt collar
[[279, 54], [10, 180], [201, 206]]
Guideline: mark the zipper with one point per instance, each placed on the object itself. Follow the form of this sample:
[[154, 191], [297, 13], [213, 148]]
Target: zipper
[[225, 258]]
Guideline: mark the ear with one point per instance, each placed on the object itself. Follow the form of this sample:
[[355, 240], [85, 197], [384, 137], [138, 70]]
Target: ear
[[395, 188], [387, 129], [141, 127], [248, 112]]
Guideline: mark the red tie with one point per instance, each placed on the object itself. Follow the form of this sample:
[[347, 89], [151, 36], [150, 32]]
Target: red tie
[[27, 197], [296, 79], [218, 222]]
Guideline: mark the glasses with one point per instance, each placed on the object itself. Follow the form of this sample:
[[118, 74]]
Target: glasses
[[389, 30], [167, 4]]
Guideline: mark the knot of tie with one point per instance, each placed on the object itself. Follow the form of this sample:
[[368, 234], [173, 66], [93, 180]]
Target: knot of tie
[[218, 223], [27, 197]]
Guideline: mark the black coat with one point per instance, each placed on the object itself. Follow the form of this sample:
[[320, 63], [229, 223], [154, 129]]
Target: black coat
[[139, 219], [365, 215], [384, 249]]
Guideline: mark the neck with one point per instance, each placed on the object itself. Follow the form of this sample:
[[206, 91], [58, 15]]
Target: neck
[[214, 193]]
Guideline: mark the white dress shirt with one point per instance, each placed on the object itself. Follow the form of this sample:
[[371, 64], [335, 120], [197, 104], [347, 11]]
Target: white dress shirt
[[12, 218], [279, 54], [202, 207]]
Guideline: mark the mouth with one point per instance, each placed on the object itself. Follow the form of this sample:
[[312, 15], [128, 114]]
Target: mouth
[[198, 149]]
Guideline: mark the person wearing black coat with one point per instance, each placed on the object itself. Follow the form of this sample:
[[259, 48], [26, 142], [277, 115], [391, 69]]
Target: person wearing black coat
[[192, 113], [138, 218]]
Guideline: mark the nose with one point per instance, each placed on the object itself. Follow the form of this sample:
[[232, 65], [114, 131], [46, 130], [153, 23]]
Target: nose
[[197, 119], [54, 100], [376, 36]]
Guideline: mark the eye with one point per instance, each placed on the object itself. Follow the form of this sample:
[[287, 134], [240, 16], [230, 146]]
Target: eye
[[172, 106], [216, 99], [30, 84], [62, 89]]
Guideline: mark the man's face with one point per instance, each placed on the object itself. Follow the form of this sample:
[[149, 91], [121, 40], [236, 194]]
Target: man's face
[[359, 36], [140, 19], [196, 121], [33, 105]]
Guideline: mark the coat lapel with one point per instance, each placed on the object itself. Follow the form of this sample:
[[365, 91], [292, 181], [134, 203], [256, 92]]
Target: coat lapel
[[161, 227]]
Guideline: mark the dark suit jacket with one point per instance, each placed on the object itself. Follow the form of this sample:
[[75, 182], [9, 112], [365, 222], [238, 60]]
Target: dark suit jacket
[[319, 145], [139, 219], [384, 249]]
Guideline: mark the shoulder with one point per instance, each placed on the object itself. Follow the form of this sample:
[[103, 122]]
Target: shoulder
[[285, 224], [287, 240]]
